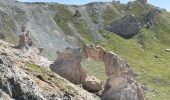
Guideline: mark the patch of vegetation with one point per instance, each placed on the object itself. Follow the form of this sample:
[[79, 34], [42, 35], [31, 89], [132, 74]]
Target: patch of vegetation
[[110, 15], [148, 62], [64, 16], [44, 74], [93, 14], [140, 11], [95, 68], [9, 30]]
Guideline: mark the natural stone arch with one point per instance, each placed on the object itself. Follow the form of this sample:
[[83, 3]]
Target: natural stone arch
[[120, 84], [68, 65]]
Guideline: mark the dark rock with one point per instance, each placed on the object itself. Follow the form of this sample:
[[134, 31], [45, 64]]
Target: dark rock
[[156, 56], [142, 1], [127, 27], [2, 36], [150, 18], [77, 13], [144, 88]]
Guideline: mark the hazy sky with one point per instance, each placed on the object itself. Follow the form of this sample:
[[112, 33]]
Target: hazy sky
[[160, 3]]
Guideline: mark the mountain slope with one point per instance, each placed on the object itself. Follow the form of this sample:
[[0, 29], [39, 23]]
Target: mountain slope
[[54, 27]]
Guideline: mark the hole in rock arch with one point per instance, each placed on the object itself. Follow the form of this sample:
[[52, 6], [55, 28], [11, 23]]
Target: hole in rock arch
[[94, 68]]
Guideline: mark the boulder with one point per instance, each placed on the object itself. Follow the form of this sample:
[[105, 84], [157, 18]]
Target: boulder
[[127, 26], [168, 50], [77, 13], [92, 84], [68, 65], [2, 36]]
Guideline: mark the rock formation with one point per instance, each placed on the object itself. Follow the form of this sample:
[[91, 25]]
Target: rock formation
[[24, 39], [2, 36], [120, 84], [150, 18], [20, 81], [68, 65], [126, 26], [77, 13]]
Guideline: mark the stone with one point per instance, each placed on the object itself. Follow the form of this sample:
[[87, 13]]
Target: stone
[[2, 36], [15, 83], [92, 84], [120, 84], [150, 18], [24, 39], [168, 50], [77, 13], [143, 1], [68, 65], [127, 26]]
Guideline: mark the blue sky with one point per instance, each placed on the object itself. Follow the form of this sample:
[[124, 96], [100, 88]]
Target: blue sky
[[160, 3]]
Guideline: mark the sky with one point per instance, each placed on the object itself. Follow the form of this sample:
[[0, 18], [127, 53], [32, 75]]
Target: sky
[[159, 3]]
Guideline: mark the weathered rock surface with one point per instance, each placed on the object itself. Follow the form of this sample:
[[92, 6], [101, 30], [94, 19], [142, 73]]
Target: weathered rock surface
[[68, 65], [92, 84], [126, 26], [2, 36], [77, 13], [120, 84], [19, 81], [150, 18]]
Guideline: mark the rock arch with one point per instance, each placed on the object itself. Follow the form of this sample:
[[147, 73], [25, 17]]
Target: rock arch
[[120, 84]]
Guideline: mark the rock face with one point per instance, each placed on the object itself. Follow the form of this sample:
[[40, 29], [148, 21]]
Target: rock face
[[126, 27], [16, 83], [120, 84], [150, 18], [19, 81], [68, 65]]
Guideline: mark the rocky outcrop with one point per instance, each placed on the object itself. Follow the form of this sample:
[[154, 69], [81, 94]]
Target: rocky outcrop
[[2, 36], [150, 19], [120, 84], [77, 13], [126, 26], [20, 81], [16, 83], [68, 65]]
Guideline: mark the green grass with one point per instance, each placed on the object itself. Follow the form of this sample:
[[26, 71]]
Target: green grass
[[141, 56], [61, 83], [95, 68], [64, 16], [144, 52]]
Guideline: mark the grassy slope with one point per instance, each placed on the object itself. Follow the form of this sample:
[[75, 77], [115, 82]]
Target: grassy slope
[[64, 16], [144, 52]]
